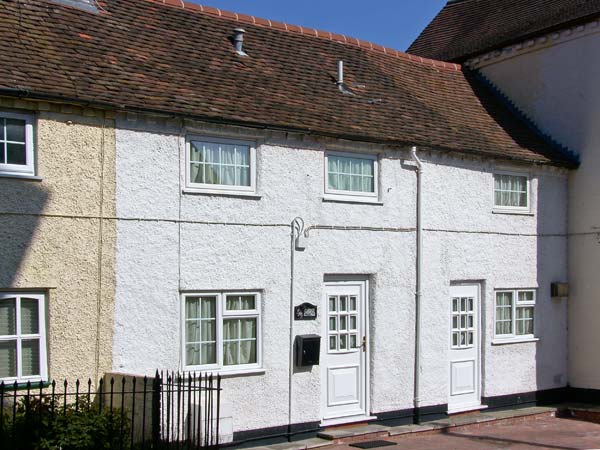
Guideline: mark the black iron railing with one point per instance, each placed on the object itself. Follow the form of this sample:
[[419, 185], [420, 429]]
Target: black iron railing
[[170, 410]]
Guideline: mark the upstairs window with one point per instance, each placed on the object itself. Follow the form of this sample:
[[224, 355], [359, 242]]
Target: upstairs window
[[349, 174], [511, 192], [16, 144], [22, 338], [221, 165]]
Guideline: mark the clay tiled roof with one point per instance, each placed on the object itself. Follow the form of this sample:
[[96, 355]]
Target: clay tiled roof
[[464, 28], [176, 58]]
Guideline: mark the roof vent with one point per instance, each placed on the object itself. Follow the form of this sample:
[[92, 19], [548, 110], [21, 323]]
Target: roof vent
[[238, 41], [85, 5]]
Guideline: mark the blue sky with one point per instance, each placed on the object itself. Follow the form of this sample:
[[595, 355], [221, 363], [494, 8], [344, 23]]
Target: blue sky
[[392, 23]]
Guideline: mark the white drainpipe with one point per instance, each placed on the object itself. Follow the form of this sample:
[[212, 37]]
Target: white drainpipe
[[419, 284]]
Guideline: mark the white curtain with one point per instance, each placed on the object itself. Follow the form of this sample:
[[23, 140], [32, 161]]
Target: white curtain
[[228, 165]]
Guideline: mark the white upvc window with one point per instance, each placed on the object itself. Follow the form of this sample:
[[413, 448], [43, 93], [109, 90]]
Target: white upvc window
[[511, 191], [222, 331], [515, 311], [220, 165], [16, 144], [351, 175], [22, 338]]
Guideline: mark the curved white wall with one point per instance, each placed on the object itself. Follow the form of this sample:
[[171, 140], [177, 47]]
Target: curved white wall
[[554, 80]]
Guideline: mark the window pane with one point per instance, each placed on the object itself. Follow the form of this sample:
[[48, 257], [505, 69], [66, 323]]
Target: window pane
[[343, 303], [8, 359], [228, 175], [248, 352], [343, 323], [332, 324], [343, 342], [29, 316], [525, 296], [510, 190], [192, 354], [332, 342], [15, 130], [16, 154], [242, 155], [350, 174], [248, 328], [353, 341], [232, 303], [196, 152], [243, 176], [192, 331], [332, 304], [30, 357], [231, 353], [248, 302], [209, 307], [333, 181], [209, 354], [8, 321], [196, 173], [231, 329], [209, 330], [353, 322]]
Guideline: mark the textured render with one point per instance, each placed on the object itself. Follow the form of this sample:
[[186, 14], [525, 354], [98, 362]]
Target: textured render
[[50, 235], [165, 246], [557, 88]]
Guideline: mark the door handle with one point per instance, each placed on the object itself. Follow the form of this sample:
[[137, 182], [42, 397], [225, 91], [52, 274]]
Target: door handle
[[364, 344]]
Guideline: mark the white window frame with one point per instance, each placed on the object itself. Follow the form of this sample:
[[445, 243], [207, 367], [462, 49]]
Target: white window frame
[[41, 298], [515, 305], [352, 195], [516, 209], [220, 188], [17, 169], [221, 314]]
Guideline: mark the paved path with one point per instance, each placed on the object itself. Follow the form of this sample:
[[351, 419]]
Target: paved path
[[543, 433]]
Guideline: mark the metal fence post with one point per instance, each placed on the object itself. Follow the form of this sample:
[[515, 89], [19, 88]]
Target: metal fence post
[[156, 394]]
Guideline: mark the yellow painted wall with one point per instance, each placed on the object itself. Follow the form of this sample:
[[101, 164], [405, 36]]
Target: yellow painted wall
[[52, 237]]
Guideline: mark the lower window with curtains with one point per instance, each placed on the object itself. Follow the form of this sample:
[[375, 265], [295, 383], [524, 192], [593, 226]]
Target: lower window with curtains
[[22, 338], [221, 331]]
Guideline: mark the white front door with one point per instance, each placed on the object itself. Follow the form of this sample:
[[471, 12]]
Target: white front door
[[464, 349], [343, 368]]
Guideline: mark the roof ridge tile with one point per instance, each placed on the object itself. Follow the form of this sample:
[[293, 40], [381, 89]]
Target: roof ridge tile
[[282, 26]]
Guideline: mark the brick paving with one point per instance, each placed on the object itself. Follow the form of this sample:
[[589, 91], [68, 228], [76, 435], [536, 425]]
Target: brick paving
[[541, 433]]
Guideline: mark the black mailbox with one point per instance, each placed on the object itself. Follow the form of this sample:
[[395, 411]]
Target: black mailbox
[[308, 349]]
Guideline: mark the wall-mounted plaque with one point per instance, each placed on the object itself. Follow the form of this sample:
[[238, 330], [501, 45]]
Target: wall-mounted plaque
[[305, 311]]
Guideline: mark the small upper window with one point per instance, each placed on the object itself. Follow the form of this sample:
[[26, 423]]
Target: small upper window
[[16, 141], [511, 191], [351, 174], [22, 338], [223, 165]]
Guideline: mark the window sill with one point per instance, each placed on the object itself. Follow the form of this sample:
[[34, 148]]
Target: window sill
[[217, 192], [20, 176], [231, 373], [346, 199], [517, 212], [21, 385], [514, 341]]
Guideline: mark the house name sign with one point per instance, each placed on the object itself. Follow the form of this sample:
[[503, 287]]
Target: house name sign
[[305, 311]]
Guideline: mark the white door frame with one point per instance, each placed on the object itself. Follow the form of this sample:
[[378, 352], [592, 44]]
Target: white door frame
[[363, 283], [479, 324]]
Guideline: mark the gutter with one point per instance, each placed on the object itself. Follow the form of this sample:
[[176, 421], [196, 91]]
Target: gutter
[[419, 286]]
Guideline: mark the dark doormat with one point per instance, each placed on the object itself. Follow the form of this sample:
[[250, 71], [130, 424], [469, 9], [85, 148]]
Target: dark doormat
[[373, 444]]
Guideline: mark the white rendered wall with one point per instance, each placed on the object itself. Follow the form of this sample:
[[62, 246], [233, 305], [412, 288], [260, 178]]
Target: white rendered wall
[[165, 246], [555, 82]]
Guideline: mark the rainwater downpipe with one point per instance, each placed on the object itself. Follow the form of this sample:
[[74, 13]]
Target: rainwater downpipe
[[419, 286]]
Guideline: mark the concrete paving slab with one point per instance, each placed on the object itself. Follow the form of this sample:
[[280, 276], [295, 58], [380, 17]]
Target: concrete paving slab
[[347, 432]]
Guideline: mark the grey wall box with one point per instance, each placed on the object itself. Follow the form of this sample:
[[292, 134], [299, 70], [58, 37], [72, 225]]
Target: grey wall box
[[308, 349]]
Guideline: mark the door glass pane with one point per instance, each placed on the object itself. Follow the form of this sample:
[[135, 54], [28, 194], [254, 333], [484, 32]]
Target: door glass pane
[[332, 304], [455, 304], [332, 324], [8, 317], [343, 323], [332, 342], [30, 322], [455, 339], [455, 322], [343, 342], [352, 303], [353, 341], [343, 303], [30, 357], [353, 322]]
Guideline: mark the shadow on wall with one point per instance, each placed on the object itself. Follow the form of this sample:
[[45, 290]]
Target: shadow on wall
[[21, 203]]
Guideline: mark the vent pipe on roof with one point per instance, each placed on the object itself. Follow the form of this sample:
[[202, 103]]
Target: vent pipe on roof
[[238, 41], [340, 77]]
